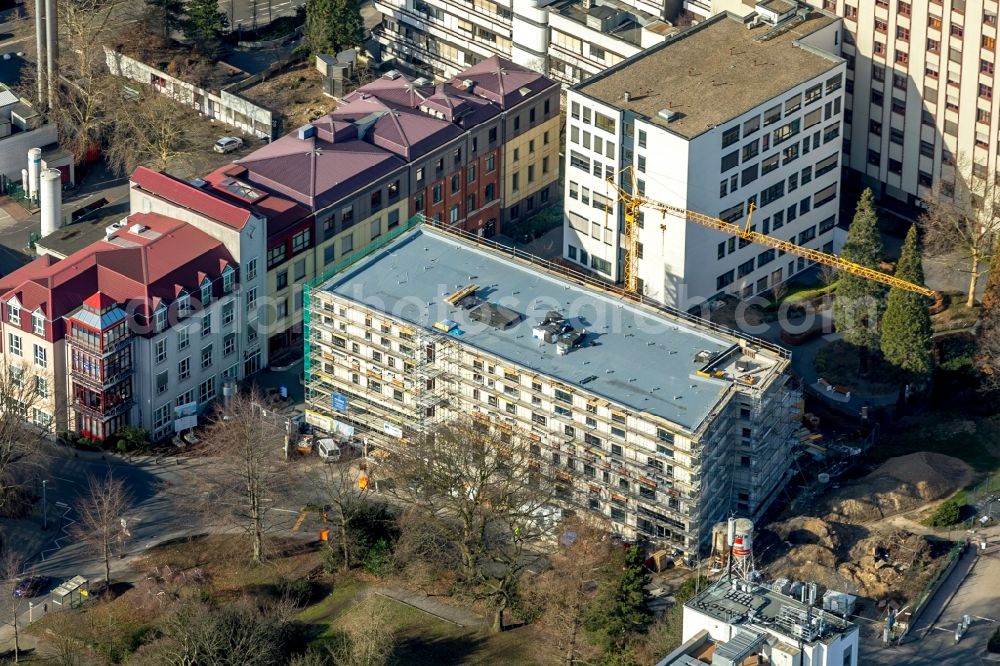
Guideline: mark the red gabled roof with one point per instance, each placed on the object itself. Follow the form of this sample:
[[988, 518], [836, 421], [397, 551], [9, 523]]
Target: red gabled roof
[[188, 196], [99, 301], [141, 266]]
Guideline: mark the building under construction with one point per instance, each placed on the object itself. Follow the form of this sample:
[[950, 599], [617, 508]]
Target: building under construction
[[659, 421]]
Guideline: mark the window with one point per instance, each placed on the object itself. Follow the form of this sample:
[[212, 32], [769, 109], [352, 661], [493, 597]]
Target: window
[[41, 387], [227, 278], [301, 240], [748, 175], [750, 150], [281, 280], [745, 268], [957, 30], [730, 136], [772, 193], [38, 323], [161, 317], [825, 165], [162, 382], [183, 338], [769, 164], [160, 350], [731, 160], [603, 122], [206, 356], [642, 138], [813, 93], [825, 195], [227, 313], [985, 91], [785, 132], [41, 357], [184, 368], [725, 279], [206, 390], [13, 314]]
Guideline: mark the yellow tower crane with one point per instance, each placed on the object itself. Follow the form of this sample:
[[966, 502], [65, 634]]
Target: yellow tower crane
[[634, 201]]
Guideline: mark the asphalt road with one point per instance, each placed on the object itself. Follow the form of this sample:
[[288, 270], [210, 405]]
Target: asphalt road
[[248, 14]]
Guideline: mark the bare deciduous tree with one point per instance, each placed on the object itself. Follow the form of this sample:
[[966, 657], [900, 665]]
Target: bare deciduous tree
[[963, 221], [11, 566], [369, 641], [153, 131], [19, 441], [101, 513], [477, 500], [566, 589], [344, 502], [87, 98], [247, 445]]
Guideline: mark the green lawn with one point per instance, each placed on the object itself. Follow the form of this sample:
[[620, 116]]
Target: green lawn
[[420, 637]]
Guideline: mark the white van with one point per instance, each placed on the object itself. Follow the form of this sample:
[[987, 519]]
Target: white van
[[328, 450]]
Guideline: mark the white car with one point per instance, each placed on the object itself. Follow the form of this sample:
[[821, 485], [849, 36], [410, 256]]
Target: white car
[[228, 144]]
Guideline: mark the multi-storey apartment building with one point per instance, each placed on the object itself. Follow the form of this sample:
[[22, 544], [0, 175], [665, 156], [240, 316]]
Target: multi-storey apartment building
[[658, 421], [478, 152], [920, 80], [757, 123], [567, 39], [129, 328]]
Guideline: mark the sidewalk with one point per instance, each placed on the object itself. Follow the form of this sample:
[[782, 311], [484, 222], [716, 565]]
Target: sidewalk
[[943, 596], [462, 617]]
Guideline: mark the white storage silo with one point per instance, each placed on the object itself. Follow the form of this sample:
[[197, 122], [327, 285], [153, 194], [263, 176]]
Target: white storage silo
[[51, 200], [34, 169]]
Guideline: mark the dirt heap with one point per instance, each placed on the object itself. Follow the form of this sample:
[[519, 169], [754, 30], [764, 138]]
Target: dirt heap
[[899, 484], [877, 564], [891, 561]]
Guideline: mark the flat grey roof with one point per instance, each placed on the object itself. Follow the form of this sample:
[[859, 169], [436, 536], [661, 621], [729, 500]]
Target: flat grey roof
[[631, 355], [762, 606], [711, 73], [71, 238]]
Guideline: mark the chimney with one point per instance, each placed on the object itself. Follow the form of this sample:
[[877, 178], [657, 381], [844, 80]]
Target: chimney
[[51, 45], [39, 38]]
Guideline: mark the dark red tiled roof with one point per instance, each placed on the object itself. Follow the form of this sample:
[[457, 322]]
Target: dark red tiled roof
[[502, 81], [188, 196], [141, 266]]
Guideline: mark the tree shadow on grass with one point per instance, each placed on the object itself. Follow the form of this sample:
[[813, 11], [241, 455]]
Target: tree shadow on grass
[[437, 650]]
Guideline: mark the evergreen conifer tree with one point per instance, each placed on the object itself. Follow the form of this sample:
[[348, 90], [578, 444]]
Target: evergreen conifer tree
[[906, 324], [860, 302]]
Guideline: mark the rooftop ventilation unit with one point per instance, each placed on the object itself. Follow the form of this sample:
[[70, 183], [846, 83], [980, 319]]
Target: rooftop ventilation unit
[[110, 230], [138, 228], [668, 115], [199, 182], [468, 84], [392, 74], [422, 81], [306, 132], [494, 315]]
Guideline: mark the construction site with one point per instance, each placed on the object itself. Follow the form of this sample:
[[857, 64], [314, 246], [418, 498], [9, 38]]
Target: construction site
[[658, 421]]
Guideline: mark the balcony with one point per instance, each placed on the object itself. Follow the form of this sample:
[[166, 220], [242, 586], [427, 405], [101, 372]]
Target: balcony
[[110, 412], [116, 376], [88, 345]]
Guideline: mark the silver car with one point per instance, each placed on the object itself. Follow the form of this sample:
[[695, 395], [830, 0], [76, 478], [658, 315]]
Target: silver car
[[228, 144]]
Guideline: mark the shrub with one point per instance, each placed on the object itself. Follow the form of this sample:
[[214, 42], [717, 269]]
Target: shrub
[[378, 559], [947, 514], [298, 591]]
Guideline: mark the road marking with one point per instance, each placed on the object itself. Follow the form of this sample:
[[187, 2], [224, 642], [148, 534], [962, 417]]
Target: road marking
[[986, 619], [298, 523], [286, 510]]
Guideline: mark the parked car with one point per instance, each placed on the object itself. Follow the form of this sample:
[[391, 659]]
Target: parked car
[[228, 144], [328, 450], [31, 586]]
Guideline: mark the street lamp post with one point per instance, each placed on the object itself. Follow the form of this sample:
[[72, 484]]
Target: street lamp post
[[45, 505]]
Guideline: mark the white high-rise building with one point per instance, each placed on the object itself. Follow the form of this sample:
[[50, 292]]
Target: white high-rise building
[[568, 40], [919, 92], [734, 112]]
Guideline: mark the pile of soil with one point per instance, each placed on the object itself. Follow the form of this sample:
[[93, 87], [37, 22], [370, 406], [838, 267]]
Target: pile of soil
[[884, 563], [898, 485], [888, 562]]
